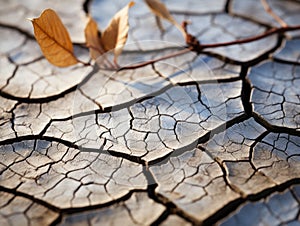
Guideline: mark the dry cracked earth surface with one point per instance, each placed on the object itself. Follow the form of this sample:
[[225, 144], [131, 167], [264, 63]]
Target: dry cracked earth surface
[[195, 139]]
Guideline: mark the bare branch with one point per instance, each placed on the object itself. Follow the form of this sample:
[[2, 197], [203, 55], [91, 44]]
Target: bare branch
[[272, 31], [269, 10]]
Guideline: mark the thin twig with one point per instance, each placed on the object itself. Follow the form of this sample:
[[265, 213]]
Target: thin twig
[[200, 47], [251, 39], [269, 10]]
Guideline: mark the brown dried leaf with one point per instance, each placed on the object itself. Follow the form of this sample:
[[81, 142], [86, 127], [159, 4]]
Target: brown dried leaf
[[160, 10], [115, 35], [92, 38], [54, 39]]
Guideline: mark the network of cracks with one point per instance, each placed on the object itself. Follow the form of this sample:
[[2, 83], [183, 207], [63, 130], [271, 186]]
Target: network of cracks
[[195, 139]]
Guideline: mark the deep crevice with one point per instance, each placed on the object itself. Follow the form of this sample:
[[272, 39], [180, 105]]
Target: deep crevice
[[273, 128], [49, 98], [129, 157], [30, 197], [171, 208], [201, 140], [266, 55], [73, 210], [226, 179], [246, 92], [232, 206], [86, 6], [161, 218], [20, 30], [282, 61], [227, 8]]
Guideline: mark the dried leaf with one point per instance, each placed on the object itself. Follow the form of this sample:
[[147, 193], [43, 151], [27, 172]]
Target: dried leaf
[[54, 39], [92, 39], [160, 10], [115, 35]]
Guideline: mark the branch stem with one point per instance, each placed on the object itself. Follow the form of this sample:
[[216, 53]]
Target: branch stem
[[251, 39], [269, 10], [200, 47]]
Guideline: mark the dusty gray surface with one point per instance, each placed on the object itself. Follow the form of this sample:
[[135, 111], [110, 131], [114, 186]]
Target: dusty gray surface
[[194, 139]]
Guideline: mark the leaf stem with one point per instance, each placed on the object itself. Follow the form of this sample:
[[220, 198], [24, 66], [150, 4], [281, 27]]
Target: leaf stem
[[199, 47], [250, 39], [269, 10]]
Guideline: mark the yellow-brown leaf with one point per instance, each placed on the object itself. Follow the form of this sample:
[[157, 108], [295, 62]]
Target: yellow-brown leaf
[[92, 38], [115, 35], [160, 10], [54, 39]]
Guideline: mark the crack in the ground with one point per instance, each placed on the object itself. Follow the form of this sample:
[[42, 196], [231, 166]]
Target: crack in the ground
[[129, 157], [273, 128], [171, 207], [233, 205]]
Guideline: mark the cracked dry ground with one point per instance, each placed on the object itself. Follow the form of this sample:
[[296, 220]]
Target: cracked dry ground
[[205, 139]]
